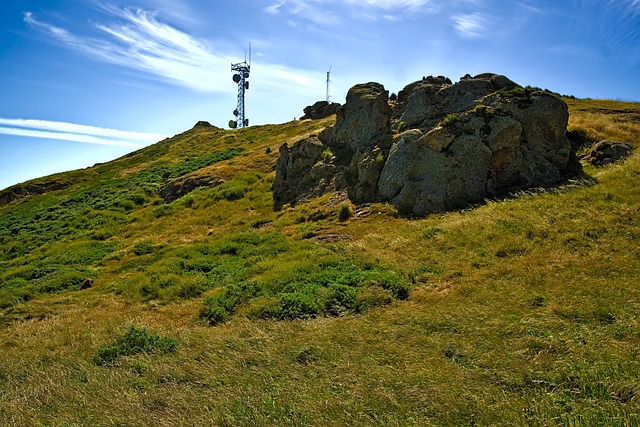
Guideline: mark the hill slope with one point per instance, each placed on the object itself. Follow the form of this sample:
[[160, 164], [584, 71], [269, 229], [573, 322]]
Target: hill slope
[[516, 312]]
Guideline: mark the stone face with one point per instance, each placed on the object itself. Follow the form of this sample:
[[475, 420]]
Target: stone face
[[303, 171], [452, 145]]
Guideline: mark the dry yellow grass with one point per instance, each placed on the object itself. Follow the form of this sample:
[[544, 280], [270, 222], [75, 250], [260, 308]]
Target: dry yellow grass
[[603, 119]]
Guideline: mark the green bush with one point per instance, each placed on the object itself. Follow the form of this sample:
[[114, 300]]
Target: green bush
[[337, 298], [149, 291], [298, 305], [135, 340], [230, 191], [144, 248], [345, 213], [398, 286], [213, 313], [319, 290], [190, 287], [61, 281]]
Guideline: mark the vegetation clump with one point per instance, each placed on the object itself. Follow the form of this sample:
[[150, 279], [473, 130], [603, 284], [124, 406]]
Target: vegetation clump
[[450, 120], [135, 340], [344, 213], [324, 290]]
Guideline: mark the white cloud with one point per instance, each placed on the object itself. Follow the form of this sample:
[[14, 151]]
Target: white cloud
[[274, 8], [391, 4], [138, 40], [77, 133], [141, 42], [472, 25], [329, 12]]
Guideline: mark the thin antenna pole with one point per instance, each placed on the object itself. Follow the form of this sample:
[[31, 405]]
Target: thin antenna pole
[[329, 84]]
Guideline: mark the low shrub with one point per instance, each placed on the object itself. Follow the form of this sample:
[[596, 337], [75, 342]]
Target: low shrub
[[312, 291], [299, 305], [230, 191], [345, 213], [135, 340], [213, 313], [62, 281], [144, 248]]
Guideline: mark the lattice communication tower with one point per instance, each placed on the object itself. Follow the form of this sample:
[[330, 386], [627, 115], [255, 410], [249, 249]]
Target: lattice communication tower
[[241, 77]]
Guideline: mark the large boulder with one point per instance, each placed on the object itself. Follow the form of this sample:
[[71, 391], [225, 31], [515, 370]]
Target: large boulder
[[361, 138], [436, 146]]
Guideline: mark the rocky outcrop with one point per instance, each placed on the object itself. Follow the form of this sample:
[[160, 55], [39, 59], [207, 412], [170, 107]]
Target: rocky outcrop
[[607, 152], [29, 189], [436, 146], [203, 124], [320, 110], [176, 188]]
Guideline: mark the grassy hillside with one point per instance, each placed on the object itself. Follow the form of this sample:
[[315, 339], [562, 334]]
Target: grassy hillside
[[117, 308]]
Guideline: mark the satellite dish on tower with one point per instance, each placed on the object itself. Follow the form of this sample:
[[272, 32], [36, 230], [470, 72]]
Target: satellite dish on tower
[[240, 77]]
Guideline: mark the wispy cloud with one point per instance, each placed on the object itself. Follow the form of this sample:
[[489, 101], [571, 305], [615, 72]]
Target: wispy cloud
[[391, 4], [330, 12], [632, 6], [138, 40], [274, 8], [615, 32], [76, 133], [472, 25]]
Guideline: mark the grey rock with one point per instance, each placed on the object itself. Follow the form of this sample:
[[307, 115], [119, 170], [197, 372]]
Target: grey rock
[[320, 110], [455, 145], [606, 152], [303, 171]]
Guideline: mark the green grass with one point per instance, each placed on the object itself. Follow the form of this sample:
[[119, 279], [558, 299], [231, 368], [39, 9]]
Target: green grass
[[516, 312]]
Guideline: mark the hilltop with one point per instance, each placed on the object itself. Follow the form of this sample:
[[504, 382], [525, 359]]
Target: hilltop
[[163, 288]]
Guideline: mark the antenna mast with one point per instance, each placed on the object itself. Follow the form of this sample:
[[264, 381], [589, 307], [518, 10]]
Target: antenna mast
[[241, 77], [329, 84]]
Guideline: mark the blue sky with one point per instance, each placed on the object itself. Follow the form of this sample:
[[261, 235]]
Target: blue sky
[[86, 81]]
